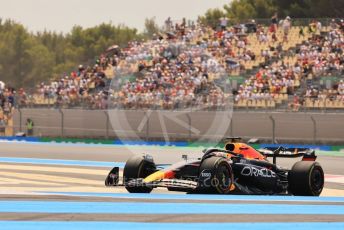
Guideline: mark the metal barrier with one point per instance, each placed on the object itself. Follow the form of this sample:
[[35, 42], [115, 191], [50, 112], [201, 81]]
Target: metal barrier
[[146, 125]]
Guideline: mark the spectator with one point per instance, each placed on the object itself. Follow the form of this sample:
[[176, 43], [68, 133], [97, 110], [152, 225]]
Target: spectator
[[7, 108], [2, 126], [29, 127], [341, 25], [274, 23], [223, 23], [333, 24], [312, 27], [22, 97], [286, 28], [168, 24], [295, 105], [319, 27], [2, 87], [251, 27], [301, 32], [341, 87]]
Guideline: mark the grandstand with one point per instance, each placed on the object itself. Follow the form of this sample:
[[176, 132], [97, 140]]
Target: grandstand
[[286, 68]]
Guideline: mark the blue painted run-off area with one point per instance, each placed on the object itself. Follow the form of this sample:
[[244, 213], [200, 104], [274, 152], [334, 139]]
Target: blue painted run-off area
[[24, 139], [76, 225], [208, 197], [163, 143], [165, 208], [61, 162]]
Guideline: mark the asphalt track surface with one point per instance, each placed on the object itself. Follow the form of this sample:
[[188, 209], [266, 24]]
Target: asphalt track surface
[[61, 186]]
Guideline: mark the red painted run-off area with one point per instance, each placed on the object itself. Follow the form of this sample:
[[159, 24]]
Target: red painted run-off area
[[334, 178]]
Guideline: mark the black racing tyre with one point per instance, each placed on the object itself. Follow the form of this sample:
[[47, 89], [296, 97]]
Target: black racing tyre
[[137, 167], [221, 178], [306, 178]]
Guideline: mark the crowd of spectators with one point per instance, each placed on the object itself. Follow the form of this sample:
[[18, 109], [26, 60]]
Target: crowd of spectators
[[170, 71], [269, 82], [176, 76], [82, 87], [321, 55], [179, 68]]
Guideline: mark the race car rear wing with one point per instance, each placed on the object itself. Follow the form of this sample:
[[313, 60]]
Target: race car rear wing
[[281, 152]]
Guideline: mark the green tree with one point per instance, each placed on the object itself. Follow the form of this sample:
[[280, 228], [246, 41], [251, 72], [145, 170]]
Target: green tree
[[39, 64], [14, 42], [310, 8], [27, 58], [241, 10], [212, 17], [151, 27], [248, 9]]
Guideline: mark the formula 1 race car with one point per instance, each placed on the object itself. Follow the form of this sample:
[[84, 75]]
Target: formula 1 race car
[[236, 169]]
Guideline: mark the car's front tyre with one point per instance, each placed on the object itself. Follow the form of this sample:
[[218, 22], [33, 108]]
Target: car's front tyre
[[137, 167], [215, 176]]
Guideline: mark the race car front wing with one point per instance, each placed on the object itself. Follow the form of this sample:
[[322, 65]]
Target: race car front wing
[[113, 179]]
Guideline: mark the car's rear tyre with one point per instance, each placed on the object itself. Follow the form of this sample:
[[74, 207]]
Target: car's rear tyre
[[306, 178], [220, 178], [137, 167]]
